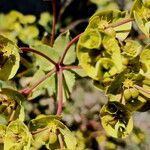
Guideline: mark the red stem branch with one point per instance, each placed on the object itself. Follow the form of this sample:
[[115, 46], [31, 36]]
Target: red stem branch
[[68, 46], [28, 90], [71, 67], [60, 91], [27, 49], [54, 23]]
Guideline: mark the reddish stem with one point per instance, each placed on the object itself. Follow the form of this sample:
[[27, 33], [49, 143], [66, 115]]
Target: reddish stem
[[71, 67], [68, 46], [28, 90], [60, 91], [54, 23], [116, 24], [27, 49]]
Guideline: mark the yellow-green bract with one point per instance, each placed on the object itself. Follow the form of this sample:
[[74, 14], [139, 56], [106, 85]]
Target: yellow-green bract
[[116, 119], [9, 58]]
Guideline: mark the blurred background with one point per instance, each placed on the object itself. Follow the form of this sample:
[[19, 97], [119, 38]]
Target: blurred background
[[81, 112]]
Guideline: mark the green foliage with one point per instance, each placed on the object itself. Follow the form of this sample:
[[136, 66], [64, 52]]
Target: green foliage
[[17, 26], [141, 13], [118, 65], [50, 85], [108, 52], [45, 129], [17, 136], [11, 106], [116, 120], [9, 55]]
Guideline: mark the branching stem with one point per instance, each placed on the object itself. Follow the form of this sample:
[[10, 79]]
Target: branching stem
[[142, 89], [27, 49], [68, 46], [28, 90], [60, 141], [54, 23], [60, 91], [71, 67], [116, 24]]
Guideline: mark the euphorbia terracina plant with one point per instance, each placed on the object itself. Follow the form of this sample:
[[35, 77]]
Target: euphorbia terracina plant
[[118, 64]]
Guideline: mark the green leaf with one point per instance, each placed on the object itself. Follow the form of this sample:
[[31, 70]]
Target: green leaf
[[41, 62], [45, 126], [9, 55], [91, 39], [116, 119], [116, 85], [140, 12], [69, 82], [11, 107], [27, 19], [145, 61], [69, 138], [48, 85], [17, 136], [2, 132], [112, 17], [45, 19], [112, 47], [29, 34], [90, 49], [61, 43], [132, 48]]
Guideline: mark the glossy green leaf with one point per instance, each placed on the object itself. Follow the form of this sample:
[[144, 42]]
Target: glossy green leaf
[[116, 119], [17, 136], [9, 55]]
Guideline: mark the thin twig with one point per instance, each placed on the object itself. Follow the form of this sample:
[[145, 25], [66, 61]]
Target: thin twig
[[63, 8], [28, 90], [54, 23], [142, 89], [60, 92], [74, 24], [116, 24], [27, 49], [39, 130], [25, 62], [60, 141], [71, 67], [68, 46]]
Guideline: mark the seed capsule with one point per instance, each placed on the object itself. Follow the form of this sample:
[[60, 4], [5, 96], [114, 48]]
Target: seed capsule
[[134, 92], [52, 138], [127, 94]]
